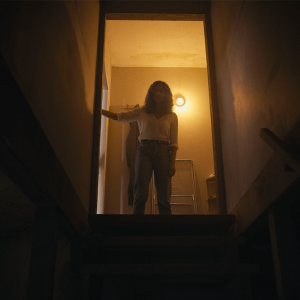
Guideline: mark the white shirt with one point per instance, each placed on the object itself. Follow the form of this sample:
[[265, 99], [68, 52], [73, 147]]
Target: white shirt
[[151, 128]]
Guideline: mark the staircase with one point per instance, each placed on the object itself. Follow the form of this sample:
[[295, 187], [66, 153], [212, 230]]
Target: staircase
[[165, 257]]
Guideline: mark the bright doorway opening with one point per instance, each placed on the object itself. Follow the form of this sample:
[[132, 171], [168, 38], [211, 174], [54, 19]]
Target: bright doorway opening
[[137, 53]]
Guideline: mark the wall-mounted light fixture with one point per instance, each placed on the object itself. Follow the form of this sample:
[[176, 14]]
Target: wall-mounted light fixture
[[179, 100]]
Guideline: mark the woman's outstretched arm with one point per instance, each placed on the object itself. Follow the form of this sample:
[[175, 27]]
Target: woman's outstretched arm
[[109, 114]]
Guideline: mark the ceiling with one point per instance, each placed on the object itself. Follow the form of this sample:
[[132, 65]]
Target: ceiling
[[156, 43]]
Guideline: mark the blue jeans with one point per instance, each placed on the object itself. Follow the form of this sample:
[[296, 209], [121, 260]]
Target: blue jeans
[[152, 155]]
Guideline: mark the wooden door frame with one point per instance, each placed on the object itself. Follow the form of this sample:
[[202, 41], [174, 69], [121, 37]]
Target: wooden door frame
[[164, 10]]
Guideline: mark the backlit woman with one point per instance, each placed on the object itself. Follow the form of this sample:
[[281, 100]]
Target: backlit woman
[[158, 126]]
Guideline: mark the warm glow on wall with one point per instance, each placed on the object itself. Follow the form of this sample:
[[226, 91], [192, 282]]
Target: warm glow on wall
[[181, 109]]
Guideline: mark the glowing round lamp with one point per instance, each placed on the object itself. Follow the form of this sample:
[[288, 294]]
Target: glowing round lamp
[[180, 102]]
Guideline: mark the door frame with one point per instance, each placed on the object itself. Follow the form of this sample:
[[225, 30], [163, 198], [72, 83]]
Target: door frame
[[158, 10]]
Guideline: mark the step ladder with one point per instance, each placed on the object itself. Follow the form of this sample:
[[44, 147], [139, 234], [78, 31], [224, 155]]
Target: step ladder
[[182, 200]]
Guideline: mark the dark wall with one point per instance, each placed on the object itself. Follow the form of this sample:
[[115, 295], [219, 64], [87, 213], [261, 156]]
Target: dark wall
[[256, 48], [50, 48]]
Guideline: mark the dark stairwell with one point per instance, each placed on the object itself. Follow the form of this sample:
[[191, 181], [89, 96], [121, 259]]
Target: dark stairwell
[[165, 257], [171, 260]]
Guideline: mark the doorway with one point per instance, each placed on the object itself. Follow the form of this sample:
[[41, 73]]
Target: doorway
[[126, 78]]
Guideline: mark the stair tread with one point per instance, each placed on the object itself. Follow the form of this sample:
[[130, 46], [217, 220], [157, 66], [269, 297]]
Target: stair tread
[[169, 269], [165, 241], [160, 225]]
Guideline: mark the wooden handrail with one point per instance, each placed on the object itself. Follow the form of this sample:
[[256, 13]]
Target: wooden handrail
[[279, 146]]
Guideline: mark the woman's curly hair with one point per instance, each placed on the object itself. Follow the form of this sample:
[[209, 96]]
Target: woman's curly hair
[[150, 103]]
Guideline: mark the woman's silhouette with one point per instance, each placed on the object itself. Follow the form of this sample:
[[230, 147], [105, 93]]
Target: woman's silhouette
[[158, 126]]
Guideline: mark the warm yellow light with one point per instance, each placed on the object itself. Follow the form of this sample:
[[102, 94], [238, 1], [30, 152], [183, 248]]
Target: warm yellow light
[[180, 102]]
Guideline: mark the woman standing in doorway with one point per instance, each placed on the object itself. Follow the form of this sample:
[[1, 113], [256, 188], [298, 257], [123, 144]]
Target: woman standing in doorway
[[158, 126]]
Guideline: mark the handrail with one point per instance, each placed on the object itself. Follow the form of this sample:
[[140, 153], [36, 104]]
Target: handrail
[[282, 148]]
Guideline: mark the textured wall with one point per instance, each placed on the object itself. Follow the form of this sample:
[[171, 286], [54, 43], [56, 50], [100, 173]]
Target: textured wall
[[256, 47], [50, 48], [129, 86]]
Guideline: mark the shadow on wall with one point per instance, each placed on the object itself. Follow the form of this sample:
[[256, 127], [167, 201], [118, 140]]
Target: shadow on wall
[[230, 136], [39, 43]]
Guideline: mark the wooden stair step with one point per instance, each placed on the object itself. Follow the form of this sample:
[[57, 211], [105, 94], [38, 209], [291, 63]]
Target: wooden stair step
[[161, 225], [222, 270], [174, 242], [145, 249]]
